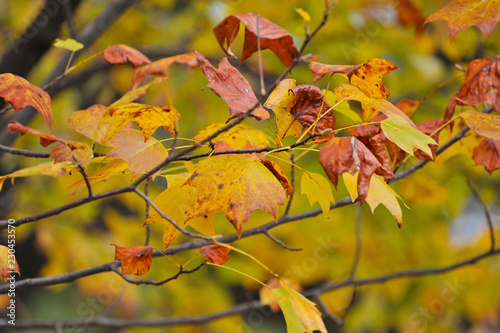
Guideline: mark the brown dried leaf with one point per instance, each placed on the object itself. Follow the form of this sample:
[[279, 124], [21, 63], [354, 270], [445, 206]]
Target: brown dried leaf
[[135, 260], [271, 36], [487, 153], [120, 54]]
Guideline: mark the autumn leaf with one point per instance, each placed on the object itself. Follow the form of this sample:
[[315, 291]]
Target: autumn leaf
[[487, 153], [486, 125], [236, 184], [371, 106], [317, 189], [405, 136], [462, 14], [160, 67], [135, 260], [429, 127], [409, 14], [237, 137], [47, 169], [227, 83], [367, 77], [20, 93], [408, 106], [120, 54], [45, 139], [148, 117], [348, 154], [271, 37], [86, 122], [312, 111], [281, 102], [69, 44], [481, 85], [266, 294], [8, 262], [175, 202], [379, 193], [215, 253], [301, 315], [112, 168], [280, 175], [140, 156]]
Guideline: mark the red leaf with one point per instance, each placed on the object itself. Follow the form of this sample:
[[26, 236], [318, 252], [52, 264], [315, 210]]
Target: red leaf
[[337, 156], [487, 153], [20, 93], [215, 253], [135, 260], [120, 54], [482, 84], [227, 83], [272, 37], [159, 67], [306, 109], [462, 14]]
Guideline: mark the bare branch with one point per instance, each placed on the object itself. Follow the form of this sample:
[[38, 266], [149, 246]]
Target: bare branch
[[162, 282], [276, 240]]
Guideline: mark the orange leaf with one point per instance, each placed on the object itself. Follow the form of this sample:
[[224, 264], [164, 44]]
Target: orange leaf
[[348, 154], [482, 84], [409, 14], [367, 76], [8, 263], [462, 14], [45, 139], [271, 36], [135, 260], [159, 67], [487, 153], [280, 175], [306, 109], [408, 106], [227, 83], [236, 184], [129, 145], [120, 54], [20, 93], [215, 253]]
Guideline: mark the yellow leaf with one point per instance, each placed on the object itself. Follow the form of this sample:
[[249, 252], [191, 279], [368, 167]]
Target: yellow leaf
[[406, 137], [343, 108], [46, 169], [236, 184], [238, 137], [281, 102], [378, 193], [301, 315], [464, 146], [8, 262], [68, 44], [486, 125], [305, 15], [114, 167], [317, 189]]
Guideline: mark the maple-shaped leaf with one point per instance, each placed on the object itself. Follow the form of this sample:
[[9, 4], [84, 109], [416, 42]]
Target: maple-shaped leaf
[[486, 125], [272, 37], [310, 108], [281, 102], [113, 167], [47, 169], [371, 106], [301, 315], [487, 153], [367, 76], [237, 137], [462, 14], [379, 193], [8, 263], [70, 151], [266, 295], [406, 136], [120, 54], [20, 93], [227, 83], [215, 253], [135, 260], [129, 145], [481, 85], [409, 14], [175, 202], [148, 117], [236, 184], [348, 154], [160, 67], [317, 189]]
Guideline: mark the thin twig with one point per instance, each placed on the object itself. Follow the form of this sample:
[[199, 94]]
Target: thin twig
[[148, 226], [326, 311], [486, 213], [162, 282], [86, 179], [276, 240], [24, 152]]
